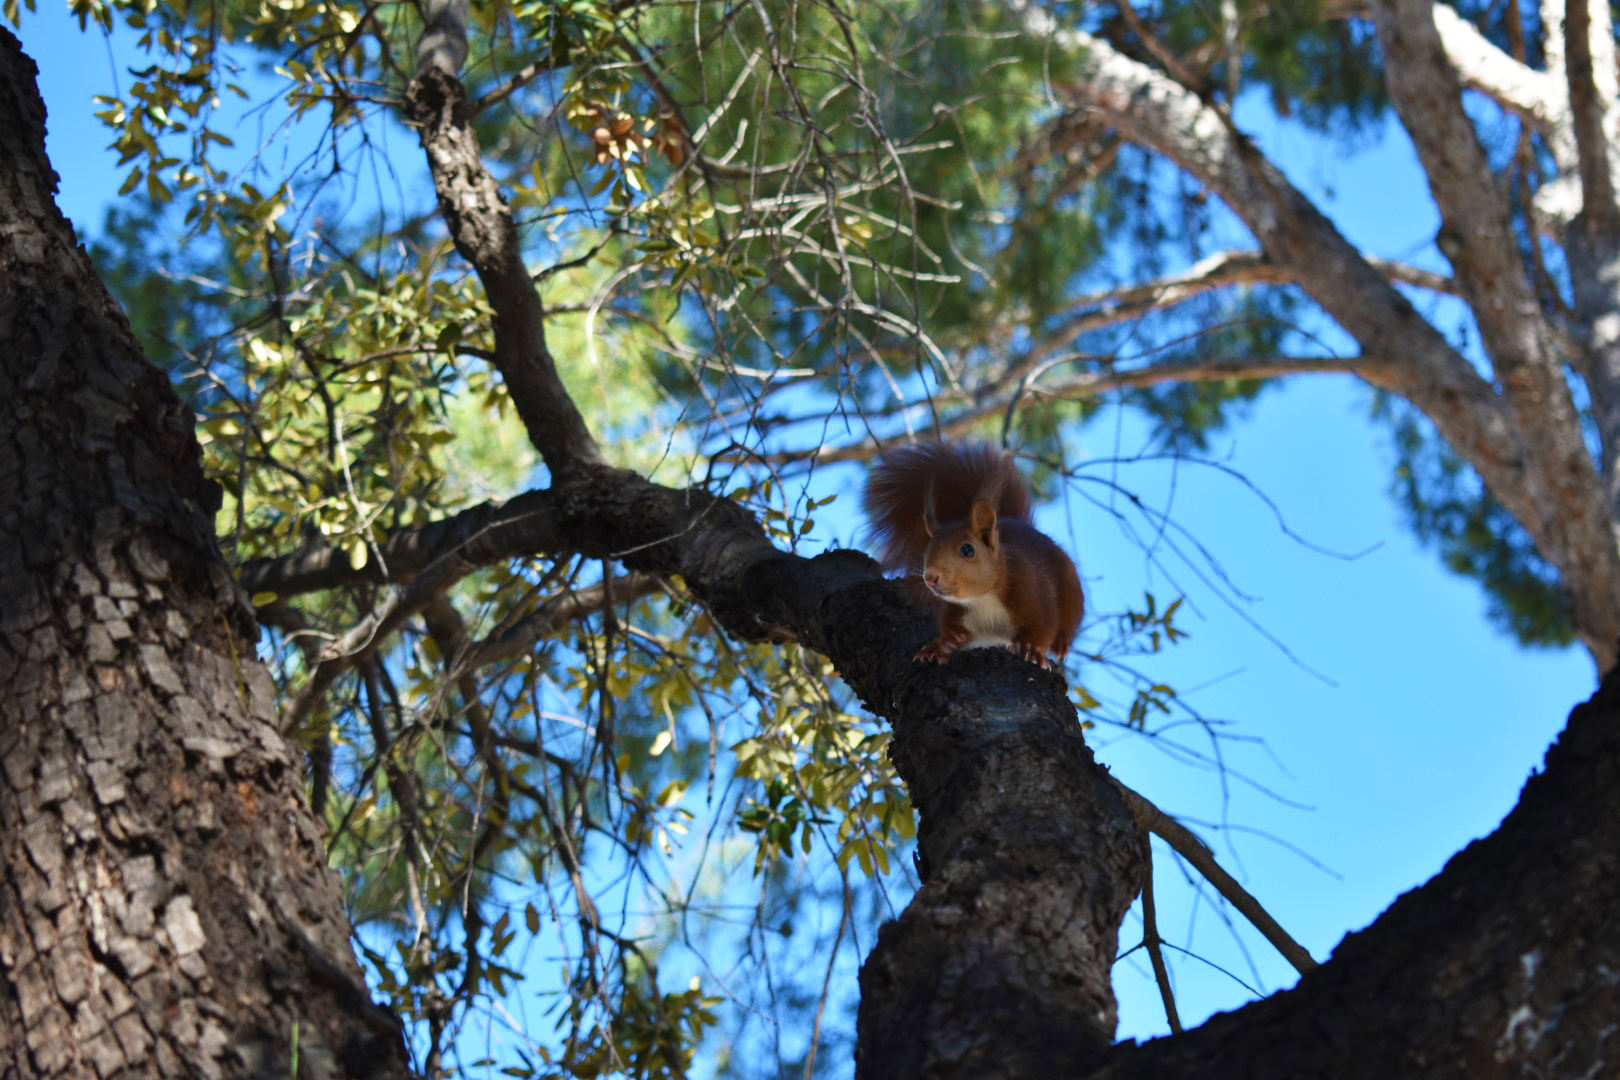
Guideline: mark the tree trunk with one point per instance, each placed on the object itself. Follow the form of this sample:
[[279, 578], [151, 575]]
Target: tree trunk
[[1001, 965], [165, 904]]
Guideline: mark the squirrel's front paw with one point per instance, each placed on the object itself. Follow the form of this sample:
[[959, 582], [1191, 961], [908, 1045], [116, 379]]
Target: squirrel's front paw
[[1026, 650], [940, 649]]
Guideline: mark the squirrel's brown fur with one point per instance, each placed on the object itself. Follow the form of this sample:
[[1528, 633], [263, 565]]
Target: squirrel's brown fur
[[957, 516]]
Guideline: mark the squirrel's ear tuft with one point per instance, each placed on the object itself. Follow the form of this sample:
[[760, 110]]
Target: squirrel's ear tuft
[[982, 521]]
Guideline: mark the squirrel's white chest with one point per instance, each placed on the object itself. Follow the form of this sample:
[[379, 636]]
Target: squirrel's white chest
[[988, 620]]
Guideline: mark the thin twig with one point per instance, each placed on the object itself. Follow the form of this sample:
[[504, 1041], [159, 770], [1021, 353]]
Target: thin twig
[[1181, 840], [1150, 938]]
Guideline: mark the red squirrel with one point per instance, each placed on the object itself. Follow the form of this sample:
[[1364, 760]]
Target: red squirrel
[[958, 516]]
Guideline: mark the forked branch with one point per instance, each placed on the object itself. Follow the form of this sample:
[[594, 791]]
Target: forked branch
[[1181, 840]]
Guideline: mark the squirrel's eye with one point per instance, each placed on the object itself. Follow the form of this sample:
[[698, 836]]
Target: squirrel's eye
[[967, 551]]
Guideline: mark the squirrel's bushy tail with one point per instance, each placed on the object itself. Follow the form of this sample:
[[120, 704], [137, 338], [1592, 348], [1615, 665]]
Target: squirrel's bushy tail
[[897, 489]]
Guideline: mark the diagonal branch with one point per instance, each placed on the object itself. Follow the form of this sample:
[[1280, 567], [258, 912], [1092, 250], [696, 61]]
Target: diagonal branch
[[485, 235], [1538, 97], [1476, 230], [1181, 840], [1549, 485], [1154, 112]]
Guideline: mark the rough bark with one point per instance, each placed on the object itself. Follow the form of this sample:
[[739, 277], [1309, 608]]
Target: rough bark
[[165, 904], [484, 234], [1506, 964], [1001, 964], [1592, 239], [185, 935]]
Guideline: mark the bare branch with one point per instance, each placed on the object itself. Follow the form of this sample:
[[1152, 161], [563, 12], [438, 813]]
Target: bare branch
[[378, 625], [1151, 819], [1221, 270], [1155, 947], [1536, 96], [1565, 513], [1375, 370], [548, 616]]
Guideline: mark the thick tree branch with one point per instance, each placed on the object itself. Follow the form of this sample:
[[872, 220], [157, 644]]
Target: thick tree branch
[[1592, 239], [1476, 232], [1526, 912], [1598, 208], [480, 536], [1031, 856], [1154, 112], [443, 47], [1538, 97]]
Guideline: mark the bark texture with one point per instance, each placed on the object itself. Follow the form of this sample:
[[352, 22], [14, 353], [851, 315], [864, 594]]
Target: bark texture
[[165, 904], [1001, 965], [485, 235], [1506, 964]]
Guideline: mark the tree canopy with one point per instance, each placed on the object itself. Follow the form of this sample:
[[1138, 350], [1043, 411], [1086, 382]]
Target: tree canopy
[[521, 347]]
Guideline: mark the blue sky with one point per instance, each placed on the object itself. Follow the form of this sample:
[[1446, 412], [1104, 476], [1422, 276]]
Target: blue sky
[[1428, 720]]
